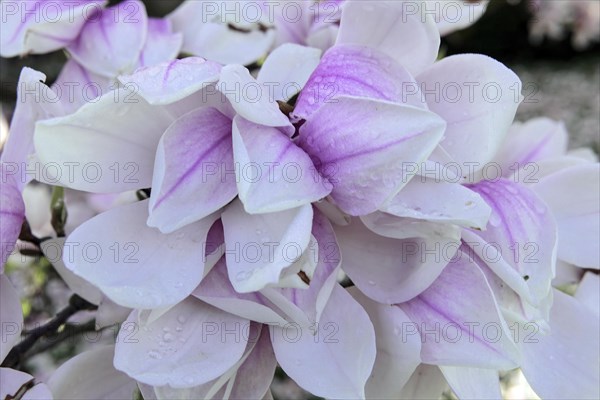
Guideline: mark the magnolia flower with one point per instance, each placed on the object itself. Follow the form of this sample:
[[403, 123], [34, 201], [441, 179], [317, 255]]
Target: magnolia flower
[[319, 335], [39, 27], [119, 40]]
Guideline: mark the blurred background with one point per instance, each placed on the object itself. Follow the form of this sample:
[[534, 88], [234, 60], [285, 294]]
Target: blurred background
[[551, 44]]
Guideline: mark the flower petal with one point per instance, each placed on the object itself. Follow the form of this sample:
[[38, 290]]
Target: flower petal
[[535, 140], [38, 28], [191, 344], [288, 68], [426, 383], [398, 28], [336, 360], [439, 201], [273, 173], [15, 385], [251, 99], [112, 144], [78, 86], [478, 97], [161, 43], [90, 375], [398, 356], [569, 353], [258, 246], [137, 266], [228, 34], [111, 43], [12, 316], [365, 155], [350, 70], [53, 251], [216, 289], [473, 383], [454, 316], [12, 210], [588, 291], [193, 170], [573, 196], [169, 82], [391, 270], [522, 234], [35, 101]]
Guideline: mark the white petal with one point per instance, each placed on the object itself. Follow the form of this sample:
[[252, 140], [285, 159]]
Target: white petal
[[191, 344], [134, 265], [288, 68], [400, 29], [473, 383], [261, 246], [111, 144], [91, 376]]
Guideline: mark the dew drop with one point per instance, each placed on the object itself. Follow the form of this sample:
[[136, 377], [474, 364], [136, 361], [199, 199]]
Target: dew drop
[[168, 337], [154, 354], [181, 319]]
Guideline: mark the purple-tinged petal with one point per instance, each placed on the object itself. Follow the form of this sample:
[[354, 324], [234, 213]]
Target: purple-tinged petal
[[111, 148], [37, 27], [568, 354], [12, 212], [473, 383], [521, 234], [260, 247], [478, 97], [349, 70], [192, 171], [440, 201], [11, 316], [169, 82], [15, 384], [91, 376], [273, 174], [334, 359], [398, 356], [391, 270], [426, 383], [251, 99], [161, 43], [454, 316], [189, 345], [573, 197], [137, 266], [35, 101], [532, 141], [288, 68], [364, 147], [111, 43], [401, 29], [78, 86]]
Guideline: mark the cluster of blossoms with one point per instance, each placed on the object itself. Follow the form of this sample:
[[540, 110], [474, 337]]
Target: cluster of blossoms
[[315, 191], [556, 20]]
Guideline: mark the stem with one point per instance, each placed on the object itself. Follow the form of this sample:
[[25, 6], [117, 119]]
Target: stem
[[16, 355]]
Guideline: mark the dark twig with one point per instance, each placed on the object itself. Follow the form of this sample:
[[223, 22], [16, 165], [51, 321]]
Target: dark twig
[[17, 353]]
